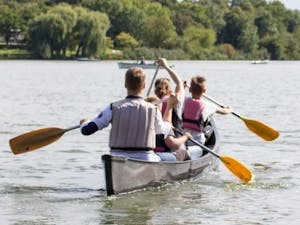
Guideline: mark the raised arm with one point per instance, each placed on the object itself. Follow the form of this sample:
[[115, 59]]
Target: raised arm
[[170, 104], [179, 89]]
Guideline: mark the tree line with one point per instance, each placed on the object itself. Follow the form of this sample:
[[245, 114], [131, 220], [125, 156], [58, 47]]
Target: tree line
[[128, 29]]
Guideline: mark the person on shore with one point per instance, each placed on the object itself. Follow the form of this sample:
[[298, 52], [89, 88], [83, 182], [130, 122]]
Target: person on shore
[[134, 122], [196, 113]]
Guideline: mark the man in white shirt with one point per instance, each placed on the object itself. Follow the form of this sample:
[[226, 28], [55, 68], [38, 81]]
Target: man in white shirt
[[134, 121]]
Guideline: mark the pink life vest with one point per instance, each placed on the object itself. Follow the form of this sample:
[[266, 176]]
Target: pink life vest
[[192, 114]]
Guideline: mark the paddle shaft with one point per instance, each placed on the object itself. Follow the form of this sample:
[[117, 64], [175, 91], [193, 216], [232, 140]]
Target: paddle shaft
[[199, 144], [72, 128], [219, 104], [153, 79]]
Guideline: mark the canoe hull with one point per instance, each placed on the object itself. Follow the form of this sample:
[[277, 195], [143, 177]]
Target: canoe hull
[[125, 174]]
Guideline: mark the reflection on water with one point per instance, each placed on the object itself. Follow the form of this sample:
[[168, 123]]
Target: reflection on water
[[63, 183]]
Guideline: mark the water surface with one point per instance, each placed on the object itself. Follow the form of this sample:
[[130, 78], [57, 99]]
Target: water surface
[[62, 183]]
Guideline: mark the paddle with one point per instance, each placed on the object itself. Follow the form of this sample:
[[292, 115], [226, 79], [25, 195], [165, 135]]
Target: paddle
[[236, 167], [153, 79], [261, 129], [36, 139]]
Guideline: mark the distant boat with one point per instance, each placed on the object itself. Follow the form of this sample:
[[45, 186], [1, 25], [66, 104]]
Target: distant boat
[[265, 61], [127, 65], [85, 59]]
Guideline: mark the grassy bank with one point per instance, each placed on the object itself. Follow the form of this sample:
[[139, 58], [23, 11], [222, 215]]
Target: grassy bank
[[15, 53]]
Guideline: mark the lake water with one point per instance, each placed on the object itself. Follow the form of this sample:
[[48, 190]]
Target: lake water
[[63, 183]]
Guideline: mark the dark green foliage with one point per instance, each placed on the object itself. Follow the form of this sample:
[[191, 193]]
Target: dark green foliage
[[187, 29]]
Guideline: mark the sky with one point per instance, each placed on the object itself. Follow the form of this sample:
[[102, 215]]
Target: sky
[[291, 4]]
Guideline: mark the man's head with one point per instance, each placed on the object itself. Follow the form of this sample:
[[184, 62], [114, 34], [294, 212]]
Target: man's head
[[162, 87], [135, 79]]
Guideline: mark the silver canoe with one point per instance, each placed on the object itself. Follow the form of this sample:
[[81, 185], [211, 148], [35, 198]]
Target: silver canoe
[[125, 174]]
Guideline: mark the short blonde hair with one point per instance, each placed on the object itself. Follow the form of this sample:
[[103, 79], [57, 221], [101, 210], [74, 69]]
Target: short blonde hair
[[135, 78]]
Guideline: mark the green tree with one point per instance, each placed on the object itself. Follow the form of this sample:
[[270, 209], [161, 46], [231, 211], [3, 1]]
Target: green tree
[[47, 33], [197, 40], [9, 21], [28, 11], [215, 12], [232, 30], [240, 31], [129, 20], [293, 21], [279, 13], [89, 33], [275, 47], [265, 24], [158, 30], [125, 40], [69, 18], [248, 38]]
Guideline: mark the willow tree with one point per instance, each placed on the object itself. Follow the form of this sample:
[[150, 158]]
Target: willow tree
[[49, 33], [89, 33], [46, 33], [69, 17]]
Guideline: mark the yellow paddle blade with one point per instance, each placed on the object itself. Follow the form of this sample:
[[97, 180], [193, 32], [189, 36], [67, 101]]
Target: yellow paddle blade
[[35, 139], [262, 130], [237, 168]]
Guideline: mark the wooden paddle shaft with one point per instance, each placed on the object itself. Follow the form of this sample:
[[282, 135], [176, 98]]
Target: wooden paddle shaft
[[153, 79]]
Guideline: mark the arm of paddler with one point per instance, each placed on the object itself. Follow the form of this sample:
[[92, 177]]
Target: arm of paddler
[[176, 142], [89, 127], [172, 100], [164, 125], [179, 89]]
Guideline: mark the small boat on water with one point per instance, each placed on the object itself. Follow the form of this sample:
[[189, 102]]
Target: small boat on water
[[265, 61], [127, 65], [125, 174]]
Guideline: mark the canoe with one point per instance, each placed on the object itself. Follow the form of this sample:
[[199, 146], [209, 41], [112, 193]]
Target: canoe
[[126, 174]]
